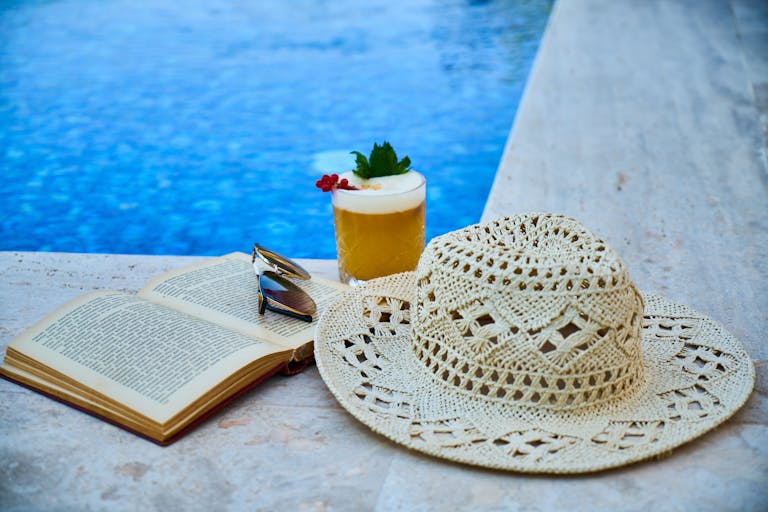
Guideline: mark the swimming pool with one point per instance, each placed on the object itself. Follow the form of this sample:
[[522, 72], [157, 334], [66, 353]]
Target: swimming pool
[[198, 127]]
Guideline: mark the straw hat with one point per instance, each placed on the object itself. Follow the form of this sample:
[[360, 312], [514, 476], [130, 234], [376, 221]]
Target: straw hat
[[522, 344]]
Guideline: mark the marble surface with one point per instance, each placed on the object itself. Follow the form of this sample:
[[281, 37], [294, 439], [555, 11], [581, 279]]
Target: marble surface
[[288, 445], [640, 119]]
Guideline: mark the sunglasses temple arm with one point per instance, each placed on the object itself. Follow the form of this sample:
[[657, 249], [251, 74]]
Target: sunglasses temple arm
[[306, 318], [262, 303]]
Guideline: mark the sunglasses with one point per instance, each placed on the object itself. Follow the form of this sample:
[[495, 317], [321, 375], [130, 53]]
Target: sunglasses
[[276, 292]]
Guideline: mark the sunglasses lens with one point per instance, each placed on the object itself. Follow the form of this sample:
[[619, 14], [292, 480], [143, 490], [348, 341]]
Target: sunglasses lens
[[283, 295], [279, 262]]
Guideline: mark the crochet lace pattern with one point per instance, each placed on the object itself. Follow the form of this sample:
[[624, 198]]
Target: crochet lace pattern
[[522, 344]]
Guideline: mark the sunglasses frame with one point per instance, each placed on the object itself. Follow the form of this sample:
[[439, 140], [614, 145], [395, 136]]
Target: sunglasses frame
[[281, 266]]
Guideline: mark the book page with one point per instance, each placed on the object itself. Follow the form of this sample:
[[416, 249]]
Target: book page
[[226, 291], [151, 358]]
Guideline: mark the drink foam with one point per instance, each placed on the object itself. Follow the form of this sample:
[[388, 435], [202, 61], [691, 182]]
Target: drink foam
[[387, 194]]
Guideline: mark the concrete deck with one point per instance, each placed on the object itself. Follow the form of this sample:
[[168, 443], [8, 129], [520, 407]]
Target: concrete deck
[[646, 121]]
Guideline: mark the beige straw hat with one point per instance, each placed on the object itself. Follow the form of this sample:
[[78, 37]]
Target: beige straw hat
[[522, 344]]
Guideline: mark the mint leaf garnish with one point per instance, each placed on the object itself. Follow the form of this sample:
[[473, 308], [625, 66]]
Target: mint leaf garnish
[[382, 162], [363, 169]]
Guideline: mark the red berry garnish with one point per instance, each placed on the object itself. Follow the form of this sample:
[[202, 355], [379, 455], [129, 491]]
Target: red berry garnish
[[330, 182], [344, 185]]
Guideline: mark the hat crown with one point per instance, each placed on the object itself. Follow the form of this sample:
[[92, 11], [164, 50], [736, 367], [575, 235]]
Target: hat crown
[[534, 310]]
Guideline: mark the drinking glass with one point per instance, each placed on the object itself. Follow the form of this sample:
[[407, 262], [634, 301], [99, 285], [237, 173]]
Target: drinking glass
[[379, 231]]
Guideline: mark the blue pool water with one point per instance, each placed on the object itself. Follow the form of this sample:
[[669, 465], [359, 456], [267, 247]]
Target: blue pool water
[[197, 127]]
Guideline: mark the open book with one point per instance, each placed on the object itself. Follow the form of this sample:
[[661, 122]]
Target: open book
[[159, 361]]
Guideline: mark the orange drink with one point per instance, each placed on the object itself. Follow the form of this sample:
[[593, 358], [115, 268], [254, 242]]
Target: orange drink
[[379, 228]]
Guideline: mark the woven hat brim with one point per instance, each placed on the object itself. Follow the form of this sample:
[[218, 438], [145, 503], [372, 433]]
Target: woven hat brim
[[697, 376]]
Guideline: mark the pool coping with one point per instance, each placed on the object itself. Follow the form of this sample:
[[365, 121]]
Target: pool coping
[[645, 121], [580, 72]]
